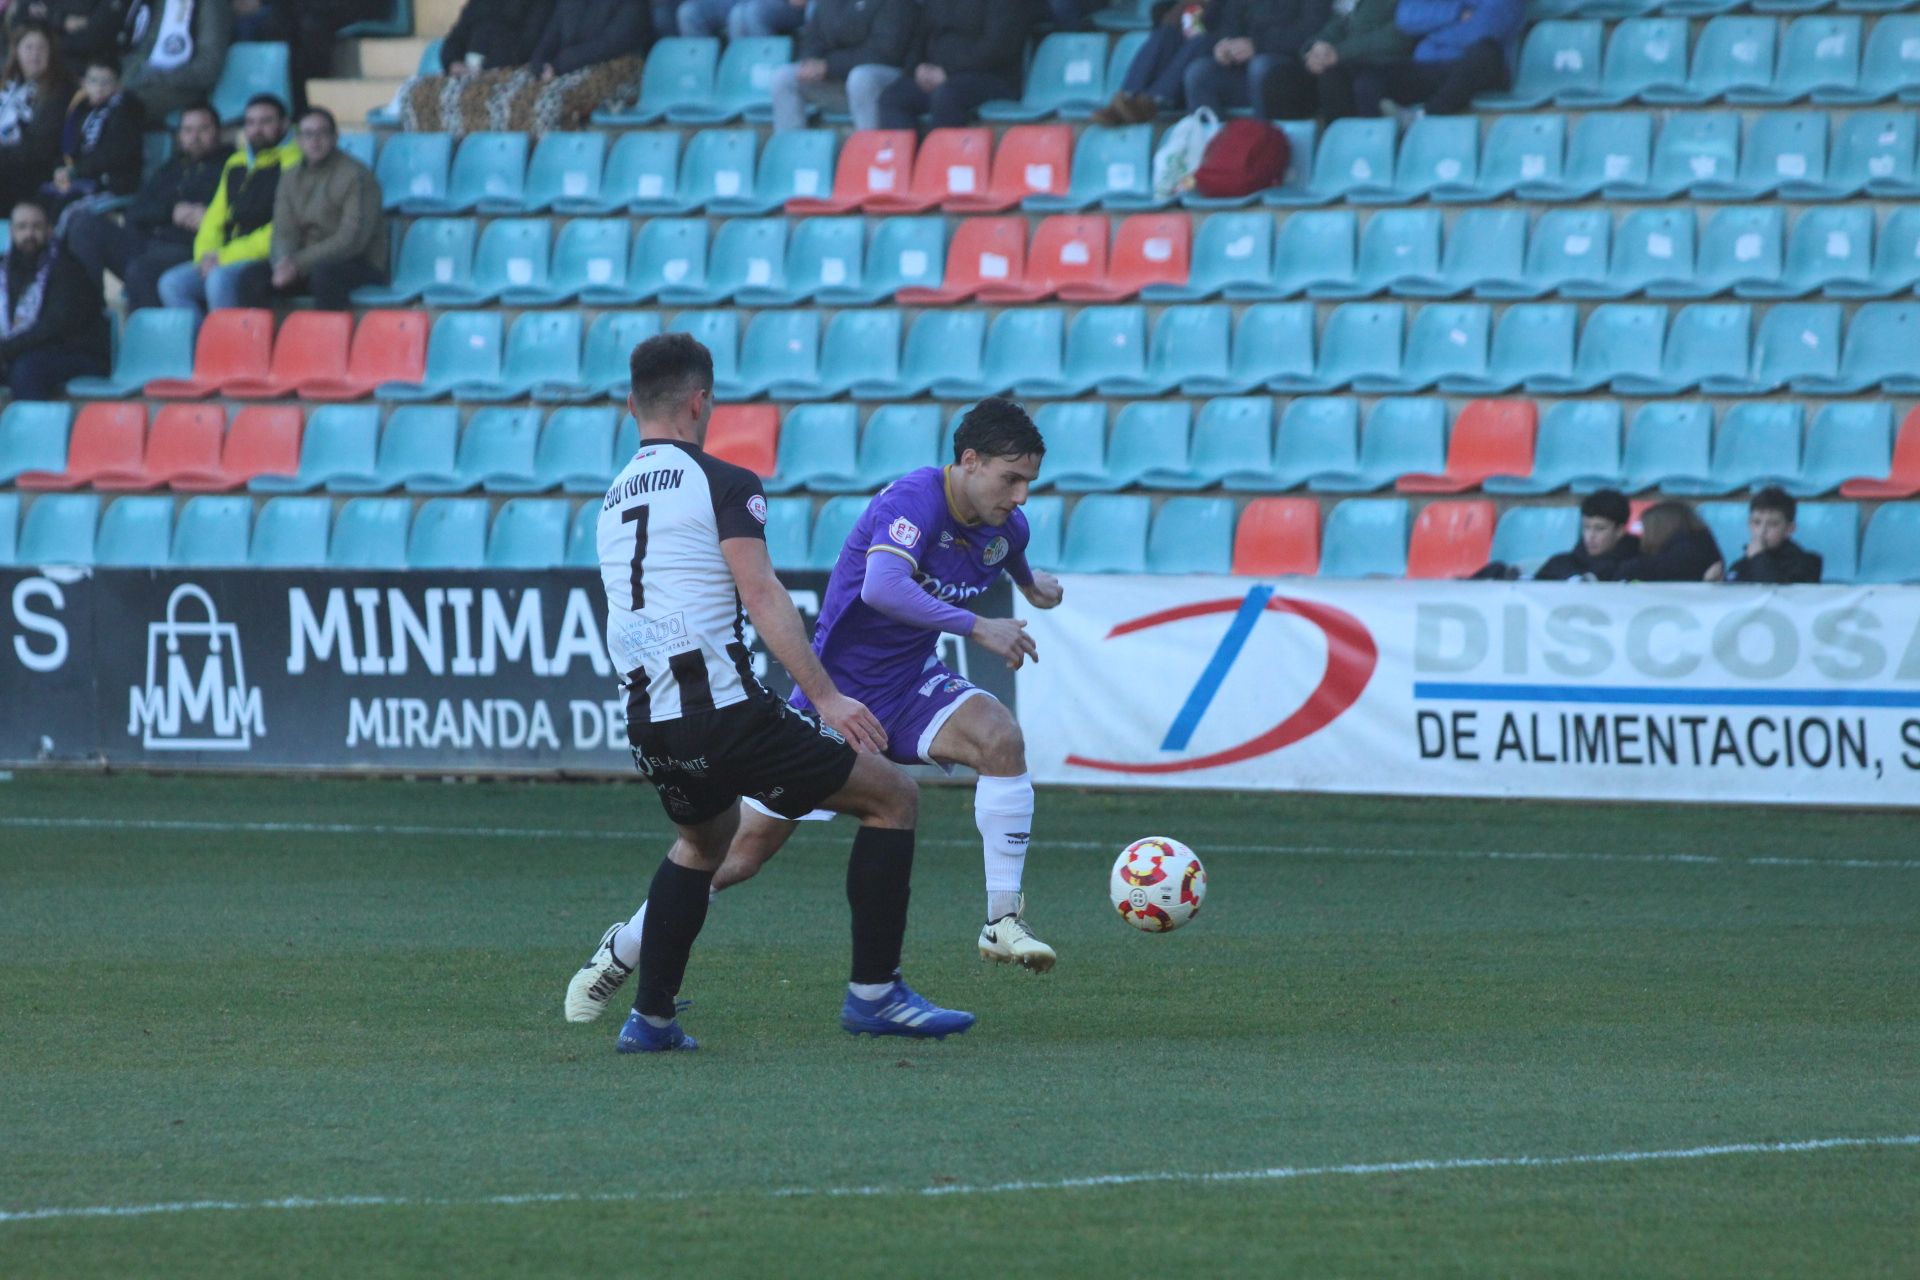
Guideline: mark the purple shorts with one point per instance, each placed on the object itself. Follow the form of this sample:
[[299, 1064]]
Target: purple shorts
[[912, 716]]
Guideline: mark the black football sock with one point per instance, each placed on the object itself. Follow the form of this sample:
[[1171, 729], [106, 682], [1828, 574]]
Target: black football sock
[[676, 908], [879, 876]]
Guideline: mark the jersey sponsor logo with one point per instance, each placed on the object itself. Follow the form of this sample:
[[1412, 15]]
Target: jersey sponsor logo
[[905, 532], [757, 508], [996, 551], [951, 592]]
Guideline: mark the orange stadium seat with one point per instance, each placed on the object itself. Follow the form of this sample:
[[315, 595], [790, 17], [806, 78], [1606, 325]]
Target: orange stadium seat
[[985, 251], [1451, 539], [1032, 160], [1150, 248], [950, 162], [1278, 536], [263, 440], [747, 435], [232, 345], [107, 438], [1067, 249], [312, 345], [875, 162], [1902, 481], [185, 440], [1490, 438], [389, 346]]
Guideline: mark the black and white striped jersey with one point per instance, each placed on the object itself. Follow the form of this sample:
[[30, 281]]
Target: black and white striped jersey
[[675, 628]]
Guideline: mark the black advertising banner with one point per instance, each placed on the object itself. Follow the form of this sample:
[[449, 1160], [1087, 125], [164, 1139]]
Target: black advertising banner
[[416, 671]]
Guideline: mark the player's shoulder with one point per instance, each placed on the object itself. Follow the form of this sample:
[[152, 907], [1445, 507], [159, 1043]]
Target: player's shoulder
[[925, 484]]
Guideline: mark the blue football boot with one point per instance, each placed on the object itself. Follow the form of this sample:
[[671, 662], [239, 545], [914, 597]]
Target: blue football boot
[[641, 1036], [902, 1012]]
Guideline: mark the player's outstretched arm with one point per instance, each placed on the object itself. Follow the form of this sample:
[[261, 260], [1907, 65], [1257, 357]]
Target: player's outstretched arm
[[778, 622], [891, 589], [1043, 590]]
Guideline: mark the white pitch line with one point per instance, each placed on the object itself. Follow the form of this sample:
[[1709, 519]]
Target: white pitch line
[[643, 836], [1281, 1173]]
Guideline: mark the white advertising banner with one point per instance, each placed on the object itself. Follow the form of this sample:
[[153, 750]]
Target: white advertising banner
[[1802, 695]]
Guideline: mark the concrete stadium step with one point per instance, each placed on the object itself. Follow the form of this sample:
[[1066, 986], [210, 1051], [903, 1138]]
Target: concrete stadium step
[[433, 18], [380, 59], [351, 100]]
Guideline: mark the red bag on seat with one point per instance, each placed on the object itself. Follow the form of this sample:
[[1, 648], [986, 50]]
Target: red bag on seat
[[1244, 157]]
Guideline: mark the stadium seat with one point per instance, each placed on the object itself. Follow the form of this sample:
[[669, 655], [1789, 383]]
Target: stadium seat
[[1486, 252], [418, 450], [528, 533], [1451, 539], [1148, 248], [1144, 436], [1643, 54], [1314, 249], [1318, 437], [489, 174], [232, 344], [1786, 151], [1192, 535], [742, 85], [860, 345], [1901, 479], [590, 254], [106, 440], [643, 169], [1354, 160], [1527, 537], [831, 527], [512, 254], [1653, 249], [788, 520], [582, 537], [33, 437], [565, 174], [463, 351], [1066, 249], [542, 347], [949, 163], [904, 253], [1076, 435], [1519, 150], [212, 532], [1107, 533], [311, 346], [1402, 436], [184, 440], [1447, 340], [941, 344], [447, 533], [1667, 440], [1567, 251], [719, 164], [1828, 245], [1578, 447], [412, 172], [1831, 530], [604, 367], [1188, 341], [1693, 148], [1889, 552], [1489, 438], [1879, 351], [874, 162], [59, 529], [156, 344], [497, 453], [1031, 160], [1397, 244], [1819, 53], [1889, 68], [779, 348], [1873, 152], [1558, 57], [292, 533], [1754, 445], [135, 533], [1230, 249], [1274, 343], [436, 251], [339, 440], [1125, 50], [1232, 443], [898, 438], [1796, 340], [1022, 342], [1605, 147], [1102, 343], [745, 251], [1845, 441], [679, 73], [250, 68], [575, 453], [746, 435], [818, 450], [822, 252], [667, 252], [1366, 538], [797, 163], [1109, 164], [1067, 78], [1619, 339], [1361, 339], [1732, 54], [1531, 341], [985, 251], [1896, 260], [389, 349], [1706, 340], [1438, 153], [719, 332], [1278, 537], [1739, 246]]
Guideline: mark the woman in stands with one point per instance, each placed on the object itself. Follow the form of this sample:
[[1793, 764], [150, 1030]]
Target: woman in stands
[[1675, 546], [489, 44], [34, 90]]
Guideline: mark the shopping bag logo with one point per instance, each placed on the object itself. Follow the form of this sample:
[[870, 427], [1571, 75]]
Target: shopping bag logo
[[196, 696]]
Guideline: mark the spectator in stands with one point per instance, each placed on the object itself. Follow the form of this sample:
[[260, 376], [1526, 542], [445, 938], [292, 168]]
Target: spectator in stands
[[588, 54], [229, 267], [1604, 545], [34, 91], [1072, 15], [52, 325], [104, 142], [329, 231], [1675, 546], [969, 51], [1156, 78], [165, 215], [1463, 47], [175, 49], [1772, 554], [489, 43], [309, 29], [1361, 34], [82, 28], [849, 51], [1253, 41], [736, 18]]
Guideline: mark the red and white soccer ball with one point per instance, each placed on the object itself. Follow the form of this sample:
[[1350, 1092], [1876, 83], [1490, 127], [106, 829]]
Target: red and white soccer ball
[[1157, 884]]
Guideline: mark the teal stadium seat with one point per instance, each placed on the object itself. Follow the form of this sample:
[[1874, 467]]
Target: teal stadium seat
[[898, 438], [1652, 248], [1527, 537], [1366, 538], [1076, 436], [1354, 161], [943, 343], [1667, 440], [1605, 148], [1125, 49], [1879, 351], [831, 528], [590, 255], [797, 164], [583, 551], [340, 440], [719, 333], [134, 533], [463, 349], [1107, 533], [1644, 54], [1314, 250], [1558, 57], [358, 143], [1727, 521], [1109, 164], [565, 172], [213, 532], [528, 533], [1733, 54], [1102, 343], [1828, 245], [1845, 441], [742, 84], [1896, 260], [1568, 248], [291, 533], [1188, 341], [1438, 154], [489, 174], [1740, 246], [1447, 340], [542, 347], [436, 252], [779, 348], [821, 253], [1022, 342], [575, 453], [251, 67], [1145, 434], [156, 343], [1519, 150], [717, 164], [604, 365], [1531, 342], [33, 437], [1397, 244], [371, 533], [1402, 437], [512, 254], [447, 533], [1046, 517], [1819, 53], [1067, 77], [1796, 340], [904, 253], [1785, 153], [859, 345], [1757, 444], [1229, 249], [497, 452], [413, 172], [1873, 152], [788, 520], [746, 251], [1889, 551], [1693, 148], [679, 73], [1272, 347], [1362, 339], [1485, 249], [1619, 340], [1232, 444], [818, 450], [1706, 340], [1578, 448], [59, 529], [1831, 530], [1192, 535], [1318, 436], [643, 169], [1889, 68], [417, 450], [666, 252]]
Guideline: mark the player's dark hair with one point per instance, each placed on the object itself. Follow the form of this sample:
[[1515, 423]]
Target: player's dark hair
[[1606, 504], [267, 100], [997, 428], [668, 368], [105, 62], [1774, 498], [1662, 522]]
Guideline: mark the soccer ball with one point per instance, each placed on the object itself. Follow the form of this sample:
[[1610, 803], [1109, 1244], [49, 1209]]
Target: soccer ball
[[1157, 884]]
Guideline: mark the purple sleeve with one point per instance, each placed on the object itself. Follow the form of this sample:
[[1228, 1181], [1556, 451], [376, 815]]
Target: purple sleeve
[[890, 589], [1018, 569], [904, 516]]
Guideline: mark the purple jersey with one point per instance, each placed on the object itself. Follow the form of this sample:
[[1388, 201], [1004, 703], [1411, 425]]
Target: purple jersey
[[864, 650]]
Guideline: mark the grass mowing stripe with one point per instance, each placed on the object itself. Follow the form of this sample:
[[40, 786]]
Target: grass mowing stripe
[[589, 833], [1276, 1174]]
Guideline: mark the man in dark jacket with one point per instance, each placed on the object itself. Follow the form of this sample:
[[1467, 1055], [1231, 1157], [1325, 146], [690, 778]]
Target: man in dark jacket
[[1255, 39], [1604, 544], [1462, 47], [491, 41], [163, 218], [588, 55], [52, 327], [970, 51], [1360, 34], [1772, 554], [849, 51]]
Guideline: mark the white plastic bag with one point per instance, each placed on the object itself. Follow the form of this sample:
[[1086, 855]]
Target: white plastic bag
[[1181, 149]]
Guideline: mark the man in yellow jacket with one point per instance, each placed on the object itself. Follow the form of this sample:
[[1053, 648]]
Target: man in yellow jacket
[[230, 267]]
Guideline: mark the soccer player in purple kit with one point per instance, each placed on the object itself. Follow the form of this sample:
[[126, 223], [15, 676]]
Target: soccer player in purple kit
[[935, 537]]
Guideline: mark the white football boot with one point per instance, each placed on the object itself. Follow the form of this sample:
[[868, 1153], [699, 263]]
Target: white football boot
[[596, 981], [1009, 940]]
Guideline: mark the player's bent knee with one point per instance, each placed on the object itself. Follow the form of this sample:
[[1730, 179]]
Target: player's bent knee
[[879, 794]]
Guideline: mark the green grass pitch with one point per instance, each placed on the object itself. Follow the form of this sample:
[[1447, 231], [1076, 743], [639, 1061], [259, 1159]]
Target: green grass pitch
[[248, 991]]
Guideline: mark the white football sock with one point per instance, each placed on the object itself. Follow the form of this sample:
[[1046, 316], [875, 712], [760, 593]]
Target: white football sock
[[1003, 810], [870, 990], [626, 943]]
